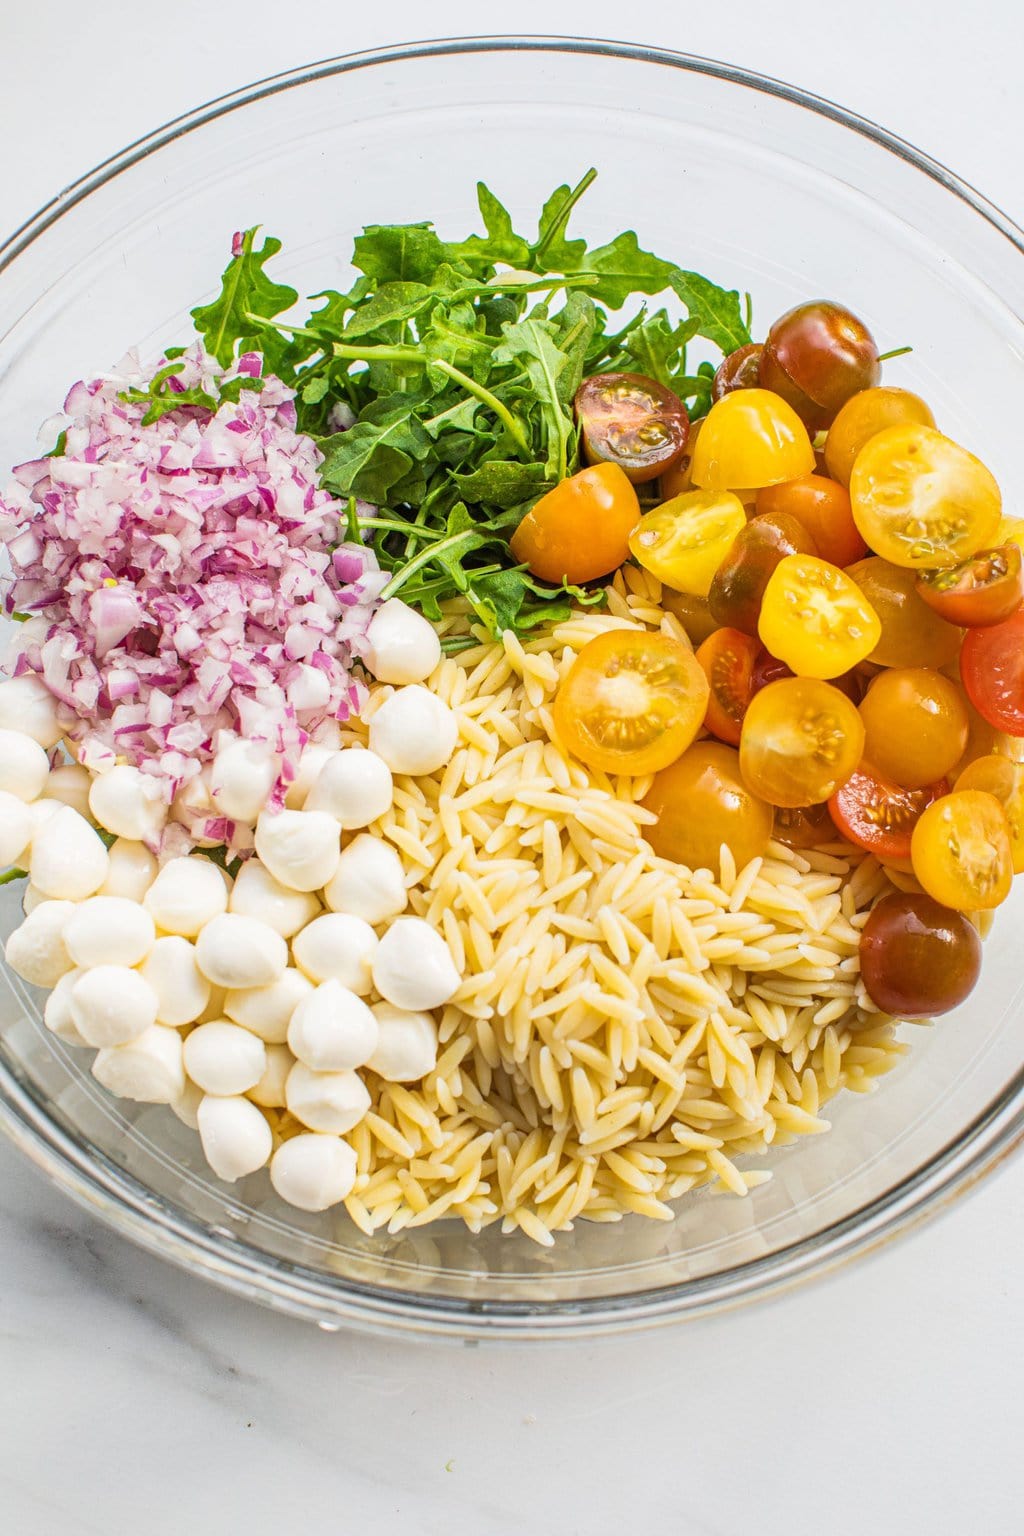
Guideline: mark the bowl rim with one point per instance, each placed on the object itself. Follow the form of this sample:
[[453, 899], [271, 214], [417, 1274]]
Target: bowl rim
[[125, 1203]]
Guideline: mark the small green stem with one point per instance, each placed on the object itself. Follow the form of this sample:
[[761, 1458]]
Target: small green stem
[[884, 357], [563, 213], [432, 551], [13, 874], [377, 354], [392, 525], [486, 398]]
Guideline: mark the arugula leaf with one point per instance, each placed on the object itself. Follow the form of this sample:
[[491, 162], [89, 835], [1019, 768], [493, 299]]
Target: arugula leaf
[[226, 324], [624, 269], [370, 460], [390, 305], [401, 253], [551, 251], [501, 243], [503, 483], [160, 398], [716, 310], [529, 342]]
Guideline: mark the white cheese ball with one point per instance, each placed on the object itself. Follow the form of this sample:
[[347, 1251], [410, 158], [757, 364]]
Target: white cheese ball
[[111, 1005], [413, 967], [257, 894], [414, 731], [236, 951], [15, 828], [326, 1101], [186, 894], [235, 1135], [340, 947], [148, 1070], [28, 707], [57, 1013], [31, 898], [69, 783], [313, 1172], [354, 786], [183, 992], [369, 881], [109, 930], [332, 1030], [68, 860], [241, 779], [406, 1048], [186, 1105], [128, 803], [131, 870], [269, 1092], [223, 1058], [267, 1011], [402, 646], [36, 950], [24, 766], [42, 811], [314, 755], [300, 848]]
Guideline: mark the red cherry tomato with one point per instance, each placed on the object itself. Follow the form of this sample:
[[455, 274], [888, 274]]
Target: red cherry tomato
[[632, 421], [816, 357], [992, 672], [986, 589], [737, 371], [728, 658], [874, 813]]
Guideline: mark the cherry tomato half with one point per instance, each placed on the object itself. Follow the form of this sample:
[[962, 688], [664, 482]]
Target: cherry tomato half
[[917, 957], [823, 508], [801, 739], [632, 421], [581, 529], [961, 851], [998, 776], [912, 634], [684, 541], [816, 356], [679, 476], [750, 438], [815, 619], [920, 500], [916, 725], [874, 813], [861, 417], [702, 802], [739, 370], [631, 702], [804, 826], [992, 669], [728, 658], [986, 589], [737, 587]]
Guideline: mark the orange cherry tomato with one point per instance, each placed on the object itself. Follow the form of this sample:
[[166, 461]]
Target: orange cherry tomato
[[816, 356], [738, 586], [684, 541], [728, 658], [815, 619], [912, 635], [874, 813], [631, 702], [916, 725], [986, 589], [750, 438], [823, 507], [961, 851], [580, 530], [632, 421], [998, 776], [864, 414], [992, 669], [801, 739], [702, 802]]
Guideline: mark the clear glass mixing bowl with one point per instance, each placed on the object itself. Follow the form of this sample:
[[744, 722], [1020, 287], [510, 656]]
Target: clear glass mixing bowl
[[747, 180]]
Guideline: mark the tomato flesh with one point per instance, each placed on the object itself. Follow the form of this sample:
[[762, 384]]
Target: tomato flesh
[[815, 619], [816, 356], [728, 658], [684, 541], [874, 813], [822, 507], [987, 589], [580, 530], [632, 421], [738, 585], [702, 802], [992, 669], [801, 739], [917, 957], [960, 849]]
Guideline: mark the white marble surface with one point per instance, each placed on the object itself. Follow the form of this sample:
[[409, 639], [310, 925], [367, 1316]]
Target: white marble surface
[[885, 1399]]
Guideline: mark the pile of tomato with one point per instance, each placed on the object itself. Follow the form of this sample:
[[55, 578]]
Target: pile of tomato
[[855, 598]]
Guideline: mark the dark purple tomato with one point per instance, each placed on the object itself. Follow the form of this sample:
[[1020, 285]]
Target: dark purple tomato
[[816, 357], [739, 370], [632, 421], [918, 958], [737, 587]]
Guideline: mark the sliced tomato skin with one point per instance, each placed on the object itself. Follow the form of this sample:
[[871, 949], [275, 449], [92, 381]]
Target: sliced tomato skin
[[874, 813], [728, 658], [984, 590], [739, 370], [992, 672], [632, 421]]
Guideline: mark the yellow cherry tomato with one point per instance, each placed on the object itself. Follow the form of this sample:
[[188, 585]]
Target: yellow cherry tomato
[[750, 438], [702, 802], [997, 775], [920, 500], [815, 619], [1011, 531], [913, 635], [631, 702], [865, 413], [580, 530], [685, 540], [801, 740], [916, 725], [960, 851]]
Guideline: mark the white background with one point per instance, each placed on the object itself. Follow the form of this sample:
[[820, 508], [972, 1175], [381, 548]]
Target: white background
[[884, 1400]]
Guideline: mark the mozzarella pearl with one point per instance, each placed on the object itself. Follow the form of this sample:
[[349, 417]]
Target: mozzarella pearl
[[314, 755], [28, 706], [68, 858], [332, 1030], [236, 951], [269, 1091], [413, 967], [354, 786], [31, 899], [406, 1048], [131, 870], [186, 894], [42, 811], [326, 1101], [36, 949], [127, 802], [242, 777], [337, 946], [15, 827], [183, 992], [70, 783], [148, 1069], [57, 1013], [257, 894], [235, 1135], [313, 1172], [414, 731], [402, 646], [109, 930], [223, 1058], [267, 1011], [111, 1005], [369, 881], [24, 766], [186, 1105], [300, 848]]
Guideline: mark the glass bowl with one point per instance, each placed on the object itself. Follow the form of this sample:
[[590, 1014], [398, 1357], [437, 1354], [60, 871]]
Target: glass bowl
[[761, 187]]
